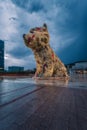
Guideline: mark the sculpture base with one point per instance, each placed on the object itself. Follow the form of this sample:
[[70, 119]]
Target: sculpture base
[[52, 78]]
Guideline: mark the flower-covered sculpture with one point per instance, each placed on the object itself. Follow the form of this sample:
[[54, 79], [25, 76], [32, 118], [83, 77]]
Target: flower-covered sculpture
[[47, 63]]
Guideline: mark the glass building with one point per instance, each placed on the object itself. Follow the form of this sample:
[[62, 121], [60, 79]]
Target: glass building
[[15, 69], [1, 56]]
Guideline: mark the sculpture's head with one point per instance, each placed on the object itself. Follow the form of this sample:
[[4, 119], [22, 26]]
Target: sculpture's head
[[37, 37]]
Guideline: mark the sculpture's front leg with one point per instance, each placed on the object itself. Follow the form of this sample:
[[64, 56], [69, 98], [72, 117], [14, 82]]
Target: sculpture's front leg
[[48, 69]]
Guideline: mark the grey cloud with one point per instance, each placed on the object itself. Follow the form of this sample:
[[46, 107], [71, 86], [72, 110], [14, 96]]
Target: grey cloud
[[32, 6], [73, 53], [19, 52], [13, 18]]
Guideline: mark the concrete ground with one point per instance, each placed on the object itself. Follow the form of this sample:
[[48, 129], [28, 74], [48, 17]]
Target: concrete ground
[[26, 104]]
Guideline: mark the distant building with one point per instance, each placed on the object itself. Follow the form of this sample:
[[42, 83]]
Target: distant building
[[1, 56], [80, 66], [15, 69], [77, 67]]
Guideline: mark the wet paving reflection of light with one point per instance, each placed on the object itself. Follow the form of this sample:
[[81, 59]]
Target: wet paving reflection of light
[[7, 84], [13, 88]]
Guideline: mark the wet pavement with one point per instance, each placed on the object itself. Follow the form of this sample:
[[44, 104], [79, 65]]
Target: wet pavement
[[28, 104]]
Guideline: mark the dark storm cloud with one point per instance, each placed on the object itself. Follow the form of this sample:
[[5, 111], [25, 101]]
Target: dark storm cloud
[[76, 16], [29, 5], [74, 24], [36, 6], [75, 52], [19, 52]]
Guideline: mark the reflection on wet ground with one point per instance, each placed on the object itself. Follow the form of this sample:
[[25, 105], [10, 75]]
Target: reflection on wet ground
[[75, 81], [31, 104]]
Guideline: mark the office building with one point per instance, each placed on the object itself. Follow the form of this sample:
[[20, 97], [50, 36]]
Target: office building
[[1, 56], [15, 69]]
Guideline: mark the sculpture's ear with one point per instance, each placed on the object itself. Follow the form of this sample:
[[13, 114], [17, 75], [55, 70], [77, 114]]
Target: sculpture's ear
[[45, 25]]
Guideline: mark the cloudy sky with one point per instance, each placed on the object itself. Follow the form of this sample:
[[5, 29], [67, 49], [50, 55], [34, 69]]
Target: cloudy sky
[[67, 25]]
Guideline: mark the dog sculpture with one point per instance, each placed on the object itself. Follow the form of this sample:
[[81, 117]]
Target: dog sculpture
[[47, 63]]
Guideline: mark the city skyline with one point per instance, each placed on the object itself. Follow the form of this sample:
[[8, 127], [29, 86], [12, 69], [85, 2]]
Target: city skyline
[[67, 26]]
